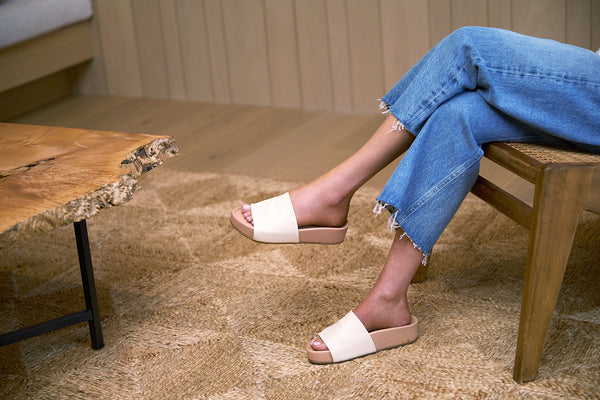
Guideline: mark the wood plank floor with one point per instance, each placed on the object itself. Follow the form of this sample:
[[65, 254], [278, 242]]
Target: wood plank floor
[[279, 143]]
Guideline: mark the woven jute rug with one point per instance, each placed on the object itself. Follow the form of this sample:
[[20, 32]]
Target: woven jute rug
[[192, 310]]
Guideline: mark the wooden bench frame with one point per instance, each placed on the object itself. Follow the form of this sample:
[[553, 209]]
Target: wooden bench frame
[[562, 191]]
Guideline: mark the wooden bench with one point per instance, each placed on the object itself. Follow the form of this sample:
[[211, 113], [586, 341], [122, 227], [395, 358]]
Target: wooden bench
[[567, 181]]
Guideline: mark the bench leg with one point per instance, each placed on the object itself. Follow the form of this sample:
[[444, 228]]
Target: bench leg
[[89, 287], [559, 200]]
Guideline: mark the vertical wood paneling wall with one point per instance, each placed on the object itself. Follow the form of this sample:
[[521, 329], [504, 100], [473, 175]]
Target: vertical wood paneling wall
[[337, 55]]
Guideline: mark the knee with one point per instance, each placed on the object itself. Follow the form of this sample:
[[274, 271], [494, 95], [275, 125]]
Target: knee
[[458, 108], [462, 117], [472, 119], [475, 36], [470, 32]]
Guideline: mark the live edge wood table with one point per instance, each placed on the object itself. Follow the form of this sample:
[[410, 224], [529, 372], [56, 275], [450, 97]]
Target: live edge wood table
[[52, 176]]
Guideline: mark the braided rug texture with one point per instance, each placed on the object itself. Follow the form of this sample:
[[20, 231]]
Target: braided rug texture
[[192, 310]]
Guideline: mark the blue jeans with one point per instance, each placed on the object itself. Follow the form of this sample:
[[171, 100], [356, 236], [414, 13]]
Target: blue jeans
[[480, 85]]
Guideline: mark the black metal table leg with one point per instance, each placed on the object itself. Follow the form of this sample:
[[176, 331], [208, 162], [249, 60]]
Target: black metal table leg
[[90, 314], [89, 286]]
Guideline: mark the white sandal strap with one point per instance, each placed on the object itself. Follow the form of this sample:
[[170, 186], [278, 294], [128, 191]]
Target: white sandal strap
[[275, 220], [347, 339]]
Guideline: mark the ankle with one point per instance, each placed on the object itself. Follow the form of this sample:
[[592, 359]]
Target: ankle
[[318, 206], [381, 311]]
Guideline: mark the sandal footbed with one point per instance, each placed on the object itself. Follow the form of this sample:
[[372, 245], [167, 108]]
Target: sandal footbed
[[384, 339], [307, 234]]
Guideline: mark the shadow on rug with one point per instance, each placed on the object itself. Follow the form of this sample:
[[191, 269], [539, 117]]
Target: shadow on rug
[[191, 309]]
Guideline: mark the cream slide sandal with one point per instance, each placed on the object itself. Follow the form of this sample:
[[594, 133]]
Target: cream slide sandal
[[275, 222], [348, 339]]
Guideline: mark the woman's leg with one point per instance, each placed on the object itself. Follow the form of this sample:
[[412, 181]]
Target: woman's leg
[[424, 193], [386, 305], [478, 85], [442, 165], [326, 200], [549, 86]]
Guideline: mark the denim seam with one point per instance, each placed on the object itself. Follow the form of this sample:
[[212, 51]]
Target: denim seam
[[475, 60], [426, 105], [545, 75]]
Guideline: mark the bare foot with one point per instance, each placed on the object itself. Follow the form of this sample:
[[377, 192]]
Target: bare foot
[[376, 312], [386, 305], [326, 200], [314, 204]]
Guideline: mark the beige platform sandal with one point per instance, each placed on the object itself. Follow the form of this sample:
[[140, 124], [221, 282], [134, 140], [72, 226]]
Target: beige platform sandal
[[348, 339], [275, 222]]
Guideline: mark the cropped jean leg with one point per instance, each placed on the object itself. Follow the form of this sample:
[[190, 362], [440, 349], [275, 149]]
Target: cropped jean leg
[[476, 86], [442, 164], [551, 86]]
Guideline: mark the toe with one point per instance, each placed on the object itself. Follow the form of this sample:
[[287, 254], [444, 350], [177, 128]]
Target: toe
[[317, 344], [247, 213]]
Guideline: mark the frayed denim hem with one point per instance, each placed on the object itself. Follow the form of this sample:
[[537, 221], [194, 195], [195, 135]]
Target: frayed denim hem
[[393, 225], [385, 110]]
